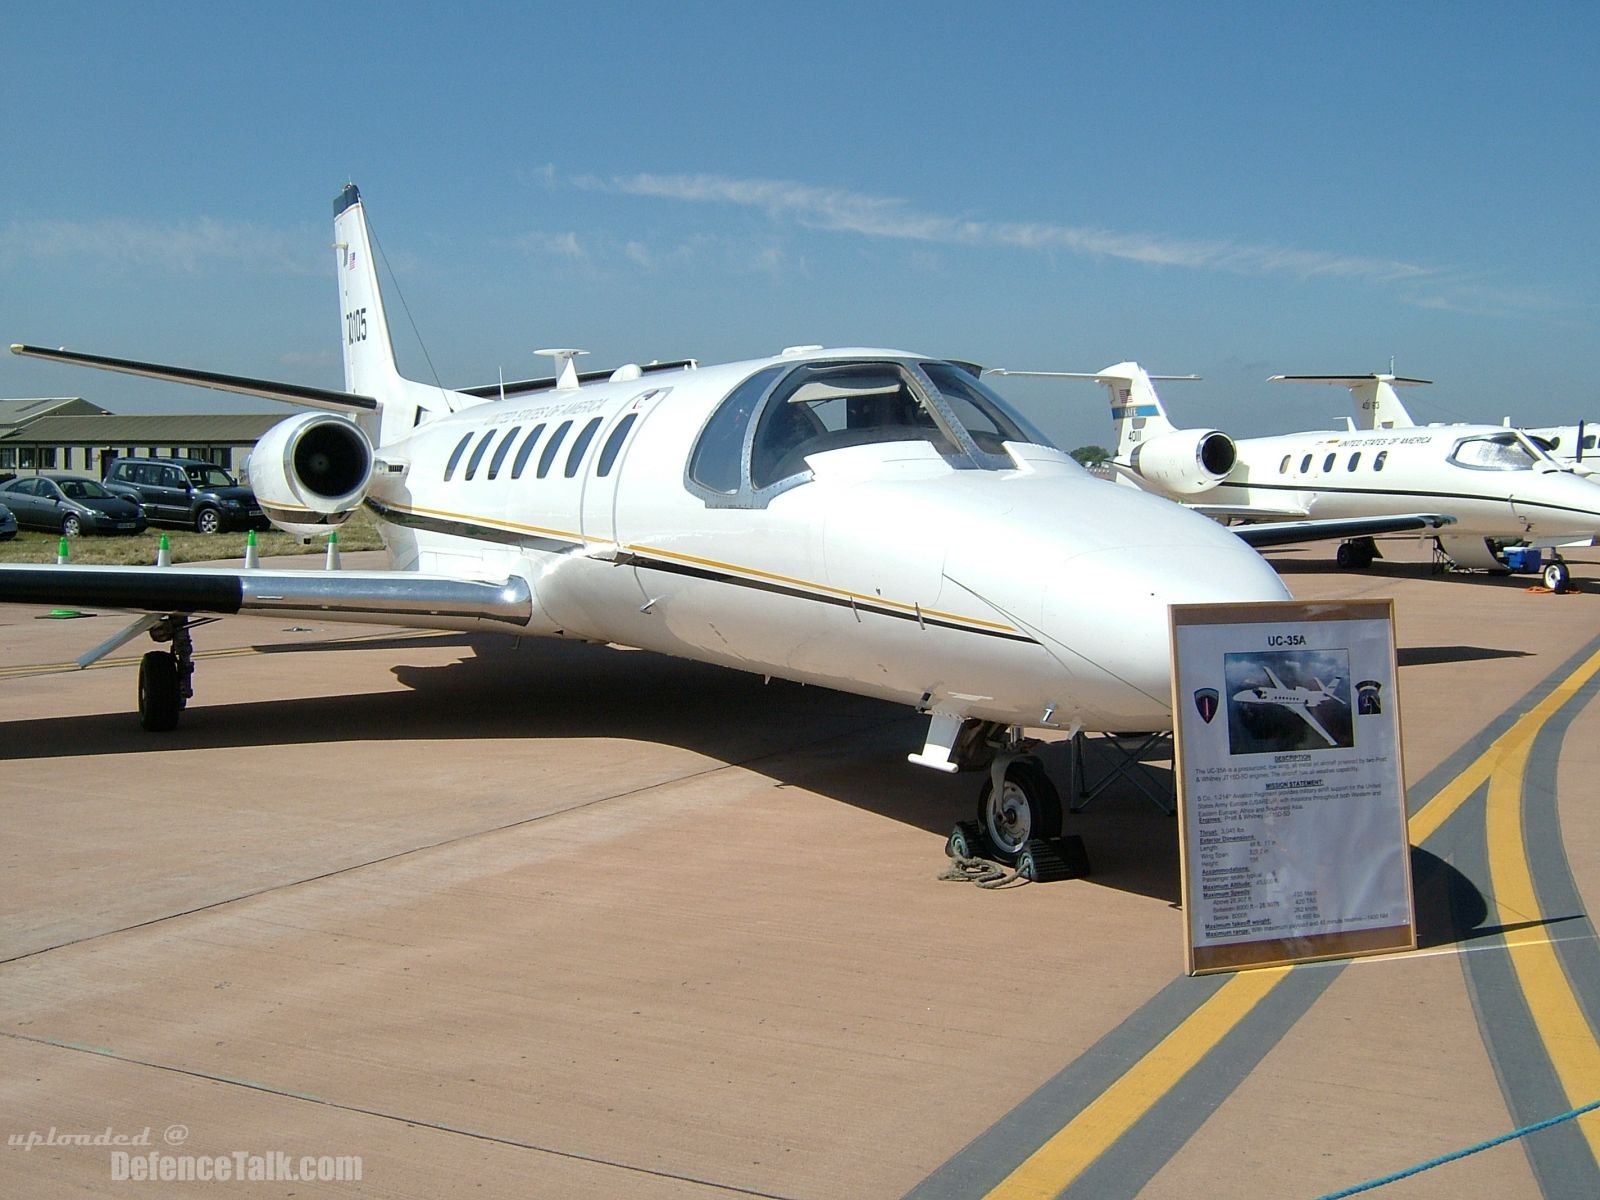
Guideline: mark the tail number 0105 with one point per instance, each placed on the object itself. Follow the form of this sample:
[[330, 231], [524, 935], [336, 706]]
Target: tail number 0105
[[355, 326]]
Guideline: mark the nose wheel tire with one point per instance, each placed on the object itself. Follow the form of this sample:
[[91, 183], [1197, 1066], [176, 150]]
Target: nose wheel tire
[[160, 696], [1557, 576], [1026, 806]]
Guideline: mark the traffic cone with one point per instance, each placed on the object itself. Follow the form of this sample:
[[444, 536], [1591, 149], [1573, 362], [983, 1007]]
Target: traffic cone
[[251, 558], [164, 553], [63, 551], [333, 551]]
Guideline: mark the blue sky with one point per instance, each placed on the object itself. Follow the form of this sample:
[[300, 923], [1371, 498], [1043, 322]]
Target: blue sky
[[1228, 190]]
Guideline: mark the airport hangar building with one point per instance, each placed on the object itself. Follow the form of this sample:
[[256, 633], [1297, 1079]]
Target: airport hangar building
[[68, 433]]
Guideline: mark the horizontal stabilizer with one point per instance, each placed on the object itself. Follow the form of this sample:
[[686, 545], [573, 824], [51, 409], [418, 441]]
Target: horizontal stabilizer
[[289, 393], [1349, 380], [1288, 533], [1095, 376], [371, 597]]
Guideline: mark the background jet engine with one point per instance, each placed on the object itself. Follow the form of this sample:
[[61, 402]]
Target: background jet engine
[[1185, 461], [311, 472]]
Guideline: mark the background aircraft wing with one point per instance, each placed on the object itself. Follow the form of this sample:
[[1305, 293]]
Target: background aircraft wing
[[369, 597], [1286, 533]]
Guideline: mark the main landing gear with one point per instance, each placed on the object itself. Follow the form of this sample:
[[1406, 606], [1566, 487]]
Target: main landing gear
[[1356, 554], [166, 677]]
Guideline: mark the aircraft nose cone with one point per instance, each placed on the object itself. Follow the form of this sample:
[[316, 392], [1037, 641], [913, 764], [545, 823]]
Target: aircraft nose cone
[[1112, 604]]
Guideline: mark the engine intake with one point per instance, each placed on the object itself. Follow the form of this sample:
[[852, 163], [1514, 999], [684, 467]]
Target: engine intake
[[1186, 461], [311, 472]]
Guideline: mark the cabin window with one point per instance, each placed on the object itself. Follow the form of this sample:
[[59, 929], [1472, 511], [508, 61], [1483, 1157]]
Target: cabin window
[[1283, 467], [1500, 452], [501, 449], [549, 455], [1383, 457], [613, 446], [1355, 461], [477, 453], [1327, 463], [1588, 441], [526, 449], [455, 456], [718, 455], [1305, 464], [580, 444]]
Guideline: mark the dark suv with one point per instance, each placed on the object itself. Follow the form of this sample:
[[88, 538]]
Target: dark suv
[[186, 491]]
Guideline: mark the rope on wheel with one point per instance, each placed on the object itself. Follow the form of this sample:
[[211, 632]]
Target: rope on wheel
[[984, 872]]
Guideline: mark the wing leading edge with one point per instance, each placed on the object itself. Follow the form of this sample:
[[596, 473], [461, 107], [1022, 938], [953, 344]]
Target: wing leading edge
[[369, 597]]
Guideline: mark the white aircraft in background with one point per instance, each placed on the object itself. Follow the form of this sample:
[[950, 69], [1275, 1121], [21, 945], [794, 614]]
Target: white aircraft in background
[[1491, 485], [1378, 406], [1299, 700], [869, 520]]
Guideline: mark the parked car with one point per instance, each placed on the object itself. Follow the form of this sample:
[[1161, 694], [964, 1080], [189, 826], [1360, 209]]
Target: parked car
[[8, 524], [70, 504], [186, 491]]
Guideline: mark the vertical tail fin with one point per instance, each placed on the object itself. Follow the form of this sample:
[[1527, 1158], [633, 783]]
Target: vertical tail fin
[[369, 365], [1378, 405], [1136, 410]]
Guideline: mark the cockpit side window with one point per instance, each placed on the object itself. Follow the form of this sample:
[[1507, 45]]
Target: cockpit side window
[[829, 406], [718, 459], [1498, 452]]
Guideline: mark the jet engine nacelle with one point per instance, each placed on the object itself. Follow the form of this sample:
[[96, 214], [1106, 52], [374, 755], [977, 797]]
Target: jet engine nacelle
[[1185, 461], [311, 472]]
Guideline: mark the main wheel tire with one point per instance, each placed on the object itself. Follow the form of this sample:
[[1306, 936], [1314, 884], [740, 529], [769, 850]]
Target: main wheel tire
[[1027, 806], [160, 700], [1557, 575], [207, 520], [71, 525]]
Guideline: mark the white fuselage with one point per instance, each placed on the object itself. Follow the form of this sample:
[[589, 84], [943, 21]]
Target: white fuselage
[[1033, 594], [1420, 469]]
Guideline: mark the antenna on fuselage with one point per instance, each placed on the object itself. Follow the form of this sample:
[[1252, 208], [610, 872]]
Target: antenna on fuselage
[[566, 367]]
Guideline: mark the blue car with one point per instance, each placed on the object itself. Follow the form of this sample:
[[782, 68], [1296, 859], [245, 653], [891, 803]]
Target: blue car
[[8, 524], [70, 504]]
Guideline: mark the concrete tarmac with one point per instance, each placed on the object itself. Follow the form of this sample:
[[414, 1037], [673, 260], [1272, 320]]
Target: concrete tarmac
[[538, 918]]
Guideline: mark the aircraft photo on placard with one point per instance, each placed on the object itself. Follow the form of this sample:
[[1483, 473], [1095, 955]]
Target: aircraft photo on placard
[[1288, 700]]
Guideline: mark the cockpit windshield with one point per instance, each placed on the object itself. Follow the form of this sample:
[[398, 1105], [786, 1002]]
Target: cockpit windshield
[[1508, 451], [767, 427]]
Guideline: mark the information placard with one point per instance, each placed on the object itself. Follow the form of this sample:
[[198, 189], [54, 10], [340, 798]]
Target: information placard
[[1291, 794]]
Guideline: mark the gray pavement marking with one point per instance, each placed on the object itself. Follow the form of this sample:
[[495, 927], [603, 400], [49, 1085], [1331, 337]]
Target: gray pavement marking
[[995, 1153]]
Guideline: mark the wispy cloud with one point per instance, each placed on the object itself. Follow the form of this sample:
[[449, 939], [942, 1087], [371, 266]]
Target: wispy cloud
[[184, 248], [842, 211]]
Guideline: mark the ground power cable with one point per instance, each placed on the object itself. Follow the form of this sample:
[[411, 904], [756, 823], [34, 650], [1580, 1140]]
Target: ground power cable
[[1569, 1115]]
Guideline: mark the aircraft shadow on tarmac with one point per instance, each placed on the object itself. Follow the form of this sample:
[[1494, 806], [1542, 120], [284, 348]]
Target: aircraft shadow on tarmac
[[1450, 907], [848, 748]]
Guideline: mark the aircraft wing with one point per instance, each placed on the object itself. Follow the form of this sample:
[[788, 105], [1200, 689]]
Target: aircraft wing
[[290, 393], [369, 597], [1305, 712], [1285, 533], [1276, 682]]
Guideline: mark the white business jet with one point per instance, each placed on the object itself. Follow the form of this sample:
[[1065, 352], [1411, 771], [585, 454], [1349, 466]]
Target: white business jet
[[868, 520], [1493, 486], [1298, 700], [1378, 406]]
